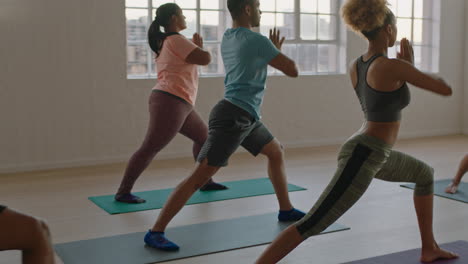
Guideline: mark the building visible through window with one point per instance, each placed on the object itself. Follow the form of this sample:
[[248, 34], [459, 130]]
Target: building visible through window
[[419, 21], [315, 35]]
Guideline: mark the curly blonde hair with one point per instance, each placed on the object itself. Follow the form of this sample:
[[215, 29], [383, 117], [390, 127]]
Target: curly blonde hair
[[367, 16]]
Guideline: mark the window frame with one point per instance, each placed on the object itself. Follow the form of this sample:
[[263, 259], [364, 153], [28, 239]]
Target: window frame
[[429, 62], [339, 41], [297, 40]]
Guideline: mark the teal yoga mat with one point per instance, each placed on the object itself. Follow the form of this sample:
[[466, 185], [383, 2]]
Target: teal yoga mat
[[156, 199], [439, 190], [194, 240]]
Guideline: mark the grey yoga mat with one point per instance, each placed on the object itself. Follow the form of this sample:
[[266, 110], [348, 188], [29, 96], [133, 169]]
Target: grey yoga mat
[[194, 240], [439, 190], [412, 256]]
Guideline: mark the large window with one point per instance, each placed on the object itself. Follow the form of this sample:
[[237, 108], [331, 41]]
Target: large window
[[419, 21], [208, 17], [314, 34], [311, 27]]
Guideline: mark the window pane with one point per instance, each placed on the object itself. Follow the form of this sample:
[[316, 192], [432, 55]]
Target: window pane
[[393, 5], [324, 6], [284, 5], [405, 8], [267, 22], [290, 50], [418, 8], [423, 57], [216, 65], [228, 20], [157, 3], [181, 3], [308, 57], [285, 24], [136, 3], [308, 27], [187, 3], [417, 57], [327, 59], [209, 25], [209, 4], [136, 23], [418, 31], [191, 19], [309, 6], [404, 28], [267, 5], [391, 52], [136, 58], [327, 26]]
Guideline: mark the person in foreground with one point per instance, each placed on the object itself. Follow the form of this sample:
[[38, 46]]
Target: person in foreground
[[462, 169], [171, 103], [380, 84], [26, 233], [235, 120]]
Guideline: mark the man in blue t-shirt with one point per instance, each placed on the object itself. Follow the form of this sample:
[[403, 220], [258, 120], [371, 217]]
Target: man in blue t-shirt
[[235, 120]]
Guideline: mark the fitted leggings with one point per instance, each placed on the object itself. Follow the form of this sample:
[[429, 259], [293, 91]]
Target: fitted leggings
[[361, 159], [169, 115]]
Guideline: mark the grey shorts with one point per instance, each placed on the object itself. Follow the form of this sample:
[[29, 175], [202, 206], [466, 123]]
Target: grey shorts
[[230, 127]]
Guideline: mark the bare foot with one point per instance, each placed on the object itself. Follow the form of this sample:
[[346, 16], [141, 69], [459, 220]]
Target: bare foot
[[431, 255]]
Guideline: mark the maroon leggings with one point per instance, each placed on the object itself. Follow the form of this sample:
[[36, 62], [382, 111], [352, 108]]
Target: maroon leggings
[[169, 115]]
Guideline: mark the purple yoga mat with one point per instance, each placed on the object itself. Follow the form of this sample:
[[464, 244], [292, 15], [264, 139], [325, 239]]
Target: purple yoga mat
[[412, 256]]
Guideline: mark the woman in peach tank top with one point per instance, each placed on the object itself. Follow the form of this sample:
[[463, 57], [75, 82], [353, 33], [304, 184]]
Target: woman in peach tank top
[[172, 99]]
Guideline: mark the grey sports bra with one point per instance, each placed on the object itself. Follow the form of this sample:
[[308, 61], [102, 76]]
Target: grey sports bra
[[379, 106]]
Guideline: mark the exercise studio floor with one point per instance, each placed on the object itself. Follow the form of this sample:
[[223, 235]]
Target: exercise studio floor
[[382, 222]]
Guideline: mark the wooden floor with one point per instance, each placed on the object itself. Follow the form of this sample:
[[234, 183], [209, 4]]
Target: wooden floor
[[383, 221]]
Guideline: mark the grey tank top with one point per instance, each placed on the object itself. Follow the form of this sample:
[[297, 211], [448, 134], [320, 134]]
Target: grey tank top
[[379, 106]]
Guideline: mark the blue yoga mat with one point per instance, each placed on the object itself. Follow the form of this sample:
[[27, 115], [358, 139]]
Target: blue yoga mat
[[439, 190], [194, 240]]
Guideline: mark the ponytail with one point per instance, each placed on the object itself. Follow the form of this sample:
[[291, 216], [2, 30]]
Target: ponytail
[[163, 19], [156, 37]]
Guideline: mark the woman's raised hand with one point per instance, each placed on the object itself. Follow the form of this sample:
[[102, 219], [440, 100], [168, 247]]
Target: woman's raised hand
[[198, 40], [406, 51]]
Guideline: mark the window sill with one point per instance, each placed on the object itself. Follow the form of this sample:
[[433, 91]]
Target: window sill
[[333, 74]]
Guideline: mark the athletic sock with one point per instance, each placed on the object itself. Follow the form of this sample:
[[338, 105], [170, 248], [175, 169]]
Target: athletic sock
[[291, 215]]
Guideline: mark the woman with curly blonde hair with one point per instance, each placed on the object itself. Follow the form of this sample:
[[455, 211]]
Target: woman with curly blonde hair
[[380, 84]]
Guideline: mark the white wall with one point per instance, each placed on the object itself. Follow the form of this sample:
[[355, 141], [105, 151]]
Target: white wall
[[65, 99]]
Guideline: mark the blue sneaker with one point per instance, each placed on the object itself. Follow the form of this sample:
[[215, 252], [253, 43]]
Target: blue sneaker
[[159, 241], [291, 215]]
